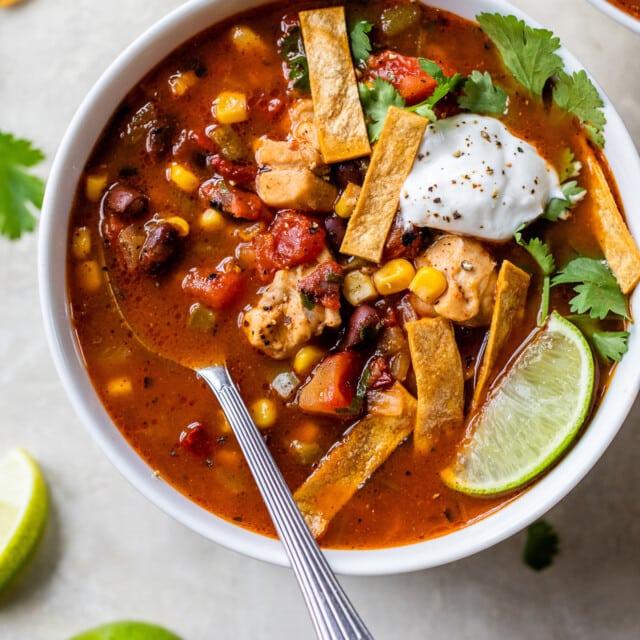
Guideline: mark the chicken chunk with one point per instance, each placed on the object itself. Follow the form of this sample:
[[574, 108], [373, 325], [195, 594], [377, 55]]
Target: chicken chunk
[[292, 171], [279, 324], [471, 278]]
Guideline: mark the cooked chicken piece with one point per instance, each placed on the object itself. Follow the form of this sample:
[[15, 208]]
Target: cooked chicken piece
[[471, 277], [294, 166], [279, 324], [287, 153], [299, 189], [303, 126]]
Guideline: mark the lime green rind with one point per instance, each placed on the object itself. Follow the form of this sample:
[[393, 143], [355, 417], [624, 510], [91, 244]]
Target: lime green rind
[[127, 630], [502, 453], [26, 535]]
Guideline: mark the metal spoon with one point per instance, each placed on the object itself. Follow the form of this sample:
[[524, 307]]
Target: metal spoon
[[333, 615]]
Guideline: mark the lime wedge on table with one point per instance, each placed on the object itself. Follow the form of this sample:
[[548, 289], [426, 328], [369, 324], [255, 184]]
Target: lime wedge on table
[[531, 415], [23, 512], [127, 630]]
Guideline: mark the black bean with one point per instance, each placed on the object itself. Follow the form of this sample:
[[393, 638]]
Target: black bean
[[125, 202], [363, 326], [335, 228], [159, 248]]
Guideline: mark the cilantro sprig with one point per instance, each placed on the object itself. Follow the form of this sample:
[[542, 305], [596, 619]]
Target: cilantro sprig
[[479, 95], [293, 53], [359, 41], [21, 192], [598, 292], [541, 253], [530, 55]]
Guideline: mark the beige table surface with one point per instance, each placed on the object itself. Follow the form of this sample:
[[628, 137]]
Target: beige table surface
[[109, 554]]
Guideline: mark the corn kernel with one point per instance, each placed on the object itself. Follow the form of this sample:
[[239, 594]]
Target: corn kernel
[[81, 243], [212, 220], [307, 358], [428, 284], [394, 276], [94, 186], [180, 225], [246, 40], [182, 81], [358, 288], [264, 413], [230, 107], [182, 177], [89, 276], [348, 200], [119, 386]]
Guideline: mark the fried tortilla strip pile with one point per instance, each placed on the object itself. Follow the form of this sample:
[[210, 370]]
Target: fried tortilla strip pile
[[439, 379], [508, 311], [342, 132], [391, 163], [349, 464], [618, 246]]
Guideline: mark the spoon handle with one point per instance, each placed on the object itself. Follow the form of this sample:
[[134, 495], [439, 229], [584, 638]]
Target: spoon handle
[[333, 615]]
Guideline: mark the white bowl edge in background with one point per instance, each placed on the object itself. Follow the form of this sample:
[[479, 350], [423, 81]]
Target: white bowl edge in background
[[69, 162], [617, 14]]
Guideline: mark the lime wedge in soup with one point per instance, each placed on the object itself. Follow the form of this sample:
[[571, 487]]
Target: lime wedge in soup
[[23, 513], [127, 630], [531, 415]]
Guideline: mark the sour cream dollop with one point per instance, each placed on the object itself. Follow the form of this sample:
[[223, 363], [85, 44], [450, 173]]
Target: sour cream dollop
[[471, 176]]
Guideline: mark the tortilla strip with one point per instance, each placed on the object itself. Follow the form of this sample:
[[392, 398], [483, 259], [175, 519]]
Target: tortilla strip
[[352, 461], [618, 246], [439, 379], [391, 163], [508, 310], [342, 132]]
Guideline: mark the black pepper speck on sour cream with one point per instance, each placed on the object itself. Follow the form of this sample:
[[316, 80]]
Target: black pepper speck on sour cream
[[473, 177]]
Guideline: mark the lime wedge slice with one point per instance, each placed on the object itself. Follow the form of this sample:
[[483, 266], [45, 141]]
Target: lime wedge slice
[[531, 416], [127, 630], [23, 512]]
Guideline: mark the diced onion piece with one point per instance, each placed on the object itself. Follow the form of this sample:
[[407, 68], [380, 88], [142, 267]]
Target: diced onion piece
[[358, 288], [285, 384], [387, 402]]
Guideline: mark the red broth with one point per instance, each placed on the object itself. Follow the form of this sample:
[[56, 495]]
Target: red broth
[[164, 411]]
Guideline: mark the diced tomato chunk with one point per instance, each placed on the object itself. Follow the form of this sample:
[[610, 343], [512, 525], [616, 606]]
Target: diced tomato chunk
[[196, 440], [405, 74], [234, 201], [322, 285], [244, 174], [333, 384], [215, 288], [292, 239]]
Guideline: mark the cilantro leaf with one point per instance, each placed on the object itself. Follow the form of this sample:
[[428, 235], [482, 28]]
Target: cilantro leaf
[[569, 167], [293, 53], [20, 191], [376, 100], [558, 208], [528, 53], [610, 345], [598, 292], [577, 95], [359, 40], [446, 84], [541, 253], [541, 545], [481, 95]]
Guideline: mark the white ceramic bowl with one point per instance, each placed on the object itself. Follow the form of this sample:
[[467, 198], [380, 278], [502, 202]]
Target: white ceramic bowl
[[617, 14], [78, 142]]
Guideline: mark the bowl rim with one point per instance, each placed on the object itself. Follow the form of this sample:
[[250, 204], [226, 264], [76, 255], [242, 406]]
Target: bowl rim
[[620, 16], [81, 136]]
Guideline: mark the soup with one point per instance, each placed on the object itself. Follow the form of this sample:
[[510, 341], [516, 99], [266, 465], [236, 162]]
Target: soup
[[213, 211]]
